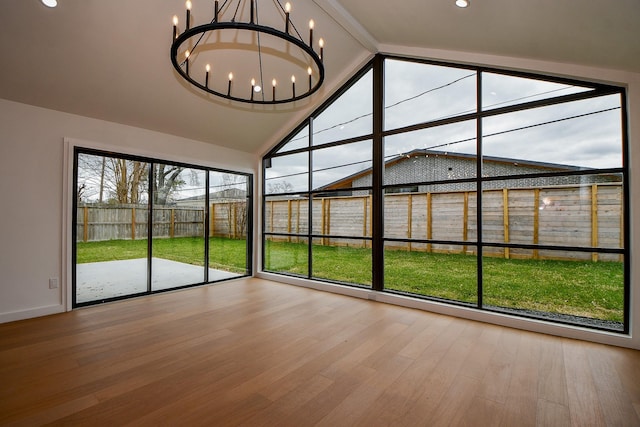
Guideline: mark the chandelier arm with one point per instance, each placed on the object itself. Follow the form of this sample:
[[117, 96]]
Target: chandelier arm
[[236, 12], [215, 26], [259, 51]]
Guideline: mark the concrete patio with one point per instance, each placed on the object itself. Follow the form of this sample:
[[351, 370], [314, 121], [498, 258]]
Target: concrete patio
[[109, 279]]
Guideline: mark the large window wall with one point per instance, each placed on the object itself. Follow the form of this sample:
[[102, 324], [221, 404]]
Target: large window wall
[[146, 225], [489, 189]]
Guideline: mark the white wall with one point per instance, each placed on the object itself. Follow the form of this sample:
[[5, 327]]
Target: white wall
[[632, 82], [32, 179]]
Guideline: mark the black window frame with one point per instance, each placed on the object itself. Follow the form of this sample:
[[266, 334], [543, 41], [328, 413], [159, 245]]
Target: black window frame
[[152, 161], [378, 188]]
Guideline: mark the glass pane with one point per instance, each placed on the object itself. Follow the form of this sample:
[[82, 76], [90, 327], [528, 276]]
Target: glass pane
[[287, 174], [111, 227], [446, 214], [572, 136], [299, 140], [499, 90], [449, 274], [434, 154], [284, 214], [178, 226], [417, 93], [348, 116], [282, 256], [344, 261], [343, 166], [342, 216], [228, 224], [554, 287], [582, 211]]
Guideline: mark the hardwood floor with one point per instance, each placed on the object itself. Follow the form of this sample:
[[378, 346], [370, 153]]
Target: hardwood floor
[[259, 353]]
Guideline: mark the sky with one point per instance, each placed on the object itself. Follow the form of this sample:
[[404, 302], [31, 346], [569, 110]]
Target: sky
[[583, 133]]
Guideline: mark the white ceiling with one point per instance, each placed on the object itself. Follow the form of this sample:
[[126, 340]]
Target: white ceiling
[[110, 59]]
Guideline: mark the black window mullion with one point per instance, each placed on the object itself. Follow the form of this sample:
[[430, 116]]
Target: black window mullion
[[310, 202], [377, 204], [150, 226], [206, 226], [479, 247], [626, 316], [248, 228]]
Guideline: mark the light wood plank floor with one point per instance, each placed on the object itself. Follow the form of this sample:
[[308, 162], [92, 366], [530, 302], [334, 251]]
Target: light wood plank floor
[[259, 353]]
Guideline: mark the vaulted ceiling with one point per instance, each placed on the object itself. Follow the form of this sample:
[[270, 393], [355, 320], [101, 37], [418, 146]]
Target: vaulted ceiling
[[110, 59]]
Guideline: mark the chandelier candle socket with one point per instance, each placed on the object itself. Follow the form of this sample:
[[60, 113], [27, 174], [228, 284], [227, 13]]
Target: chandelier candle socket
[[252, 44]]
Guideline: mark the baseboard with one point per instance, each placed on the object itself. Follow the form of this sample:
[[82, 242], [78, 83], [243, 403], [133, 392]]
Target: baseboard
[[33, 312]]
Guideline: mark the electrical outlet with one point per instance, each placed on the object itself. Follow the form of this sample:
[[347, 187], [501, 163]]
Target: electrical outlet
[[53, 283]]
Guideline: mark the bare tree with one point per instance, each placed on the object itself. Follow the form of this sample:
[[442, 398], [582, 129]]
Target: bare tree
[[125, 181], [166, 180], [280, 187]]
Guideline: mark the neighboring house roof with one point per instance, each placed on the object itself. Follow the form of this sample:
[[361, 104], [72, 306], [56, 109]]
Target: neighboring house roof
[[551, 167]]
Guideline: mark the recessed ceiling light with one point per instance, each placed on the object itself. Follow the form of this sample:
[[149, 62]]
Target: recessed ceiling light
[[50, 3], [462, 3]]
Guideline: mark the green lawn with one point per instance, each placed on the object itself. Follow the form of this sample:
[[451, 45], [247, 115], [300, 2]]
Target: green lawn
[[589, 289], [578, 288]]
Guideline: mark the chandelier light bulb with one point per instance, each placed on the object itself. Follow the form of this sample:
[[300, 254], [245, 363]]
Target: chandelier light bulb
[[311, 24], [230, 76], [253, 82], [208, 68], [321, 42], [293, 79], [287, 7], [274, 82], [188, 4], [175, 20], [186, 54]]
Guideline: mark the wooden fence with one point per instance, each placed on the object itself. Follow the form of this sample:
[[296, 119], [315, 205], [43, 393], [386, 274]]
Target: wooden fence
[[119, 222], [580, 215]]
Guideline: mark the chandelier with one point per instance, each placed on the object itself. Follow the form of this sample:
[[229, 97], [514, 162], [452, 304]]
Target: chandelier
[[238, 52]]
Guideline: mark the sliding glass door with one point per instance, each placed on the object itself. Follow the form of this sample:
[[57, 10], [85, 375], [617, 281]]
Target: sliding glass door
[[144, 225]]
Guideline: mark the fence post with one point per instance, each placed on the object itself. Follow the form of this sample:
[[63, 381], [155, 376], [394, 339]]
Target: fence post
[[328, 221], [213, 220], [289, 220], [364, 220], [85, 231], [536, 220], [621, 256], [429, 222], [322, 219], [271, 216], [465, 220], [368, 217], [409, 218], [505, 219], [235, 219], [171, 224], [298, 221], [133, 223], [594, 220]]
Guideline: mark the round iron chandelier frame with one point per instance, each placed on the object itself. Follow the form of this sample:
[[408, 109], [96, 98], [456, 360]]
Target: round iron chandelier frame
[[182, 65]]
